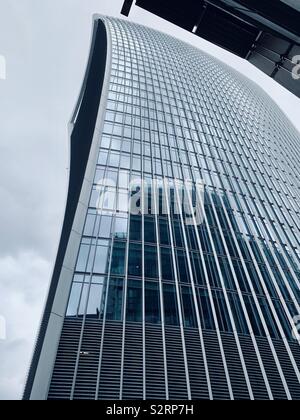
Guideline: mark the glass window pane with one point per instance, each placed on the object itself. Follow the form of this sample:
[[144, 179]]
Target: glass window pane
[[164, 232], [83, 300], [170, 305], [134, 301], [182, 267], [98, 279], [178, 235], [190, 319], [95, 300], [136, 164], [135, 260], [122, 205], [151, 269], [150, 234], [116, 144], [253, 316], [167, 264], [107, 200], [126, 146], [206, 315], [105, 142], [82, 257], [74, 299], [101, 260], [222, 311], [268, 316], [80, 278], [237, 311], [123, 179], [283, 319], [115, 300], [114, 160], [152, 303], [105, 227], [118, 258], [212, 271], [125, 161], [121, 228], [99, 176], [198, 272], [102, 160], [89, 225], [135, 228]]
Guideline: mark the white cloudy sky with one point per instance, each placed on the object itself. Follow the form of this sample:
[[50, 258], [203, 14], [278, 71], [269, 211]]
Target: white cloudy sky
[[46, 43]]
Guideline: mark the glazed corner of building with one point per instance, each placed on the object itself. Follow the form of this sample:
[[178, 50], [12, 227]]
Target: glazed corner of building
[[82, 125]]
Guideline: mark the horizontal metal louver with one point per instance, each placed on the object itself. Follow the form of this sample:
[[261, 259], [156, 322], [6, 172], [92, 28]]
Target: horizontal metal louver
[[175, 364], [87, 371], [198, 380], [110, 373], [288, 370], [235, 369], [109, 386], [133, 362], [271, 370], [155, 370], [217, 374], [63, 373], [253, 368]]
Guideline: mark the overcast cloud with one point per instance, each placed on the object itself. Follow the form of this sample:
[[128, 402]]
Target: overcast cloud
[[46, 43]]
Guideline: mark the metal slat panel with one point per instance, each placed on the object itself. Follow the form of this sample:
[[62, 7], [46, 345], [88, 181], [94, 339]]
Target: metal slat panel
[[175, 364], [271, 370], [86, 378], [288, 370], [255, 375], [198, 381], [215, 366], [237, 378], [110, 373], [133, 362], [63, 373], [155, 370]]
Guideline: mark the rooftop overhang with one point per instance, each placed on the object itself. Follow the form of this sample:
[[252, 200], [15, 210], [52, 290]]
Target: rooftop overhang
[[266, 33]]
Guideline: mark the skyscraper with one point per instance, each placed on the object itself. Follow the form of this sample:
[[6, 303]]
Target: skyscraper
[[178, 270]]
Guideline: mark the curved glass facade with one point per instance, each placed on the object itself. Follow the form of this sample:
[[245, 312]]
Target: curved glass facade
[[192, 293]]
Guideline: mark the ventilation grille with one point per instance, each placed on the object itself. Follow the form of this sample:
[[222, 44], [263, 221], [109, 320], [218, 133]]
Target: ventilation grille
[[88, 351], [235, 368], [198, 381], [288, 370], [63, 373], [110, 377], [215, 366], [253, 368], [155, 371], [87, 372], [133, 363], [175, 365], [296, 353], [271, 370]]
